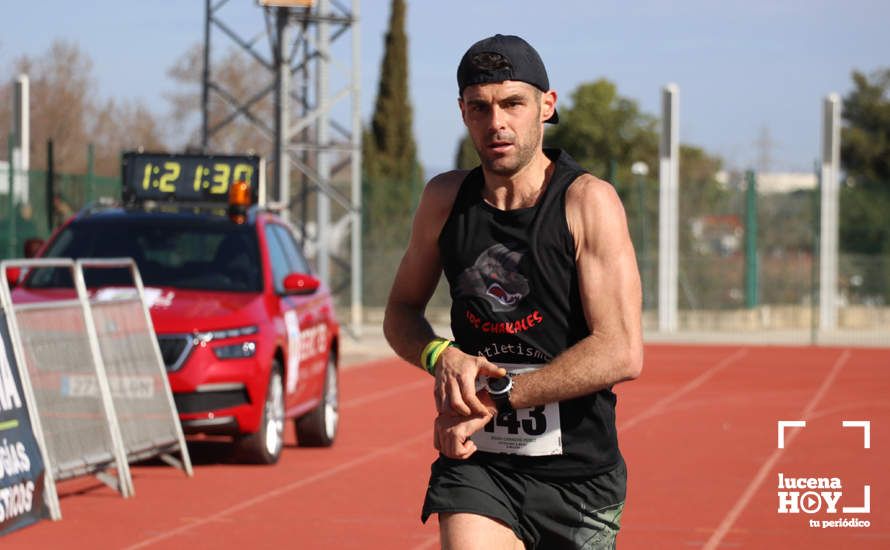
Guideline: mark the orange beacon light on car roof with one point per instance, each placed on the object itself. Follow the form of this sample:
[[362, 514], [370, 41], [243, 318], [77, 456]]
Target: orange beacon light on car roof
[[239, 201]]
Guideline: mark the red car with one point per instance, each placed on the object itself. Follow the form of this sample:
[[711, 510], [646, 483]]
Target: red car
[[248, 335]]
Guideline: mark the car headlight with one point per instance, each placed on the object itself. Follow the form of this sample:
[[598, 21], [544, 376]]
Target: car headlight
[[235, 351], [209, 336]]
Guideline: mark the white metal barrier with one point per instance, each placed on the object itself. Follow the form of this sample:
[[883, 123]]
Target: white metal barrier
[[59, 353], [141, 392], [92, 369]]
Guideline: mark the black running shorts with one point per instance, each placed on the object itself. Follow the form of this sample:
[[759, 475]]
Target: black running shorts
[[544, 514]]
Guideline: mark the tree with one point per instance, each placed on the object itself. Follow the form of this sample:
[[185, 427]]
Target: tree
[[244, 77], [865, 156], [602, 129], [607, 133], [61, 90], [865, 147], [391, 171], [392, 177], [64, 107], [120, 126], [393, 150], [466, 157]]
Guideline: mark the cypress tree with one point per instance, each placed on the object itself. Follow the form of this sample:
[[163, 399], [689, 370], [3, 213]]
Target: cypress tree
[[391, 171], [466, 156]]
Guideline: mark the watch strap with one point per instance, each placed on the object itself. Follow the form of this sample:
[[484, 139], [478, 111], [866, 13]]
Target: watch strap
[[502, 402], [501, 398]]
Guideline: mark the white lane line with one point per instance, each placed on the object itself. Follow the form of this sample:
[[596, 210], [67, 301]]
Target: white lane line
[[857, 406], [662, 404], [382, 361], [767, 466], [425, 436], [383, 394]]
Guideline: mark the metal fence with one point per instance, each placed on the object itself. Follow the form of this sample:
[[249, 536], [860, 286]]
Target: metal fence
[[724, 286], [69, 383], [727, 291], [137, 378], [31, 212], [95, 370], [748, 266]]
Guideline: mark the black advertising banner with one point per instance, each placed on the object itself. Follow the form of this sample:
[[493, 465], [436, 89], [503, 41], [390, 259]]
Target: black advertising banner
[[21, 464]]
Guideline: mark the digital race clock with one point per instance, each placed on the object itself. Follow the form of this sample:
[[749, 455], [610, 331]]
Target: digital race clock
[[188, 177]]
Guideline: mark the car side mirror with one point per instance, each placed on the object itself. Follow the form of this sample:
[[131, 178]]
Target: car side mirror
[[12, 276], [300, 283], [32, 247]]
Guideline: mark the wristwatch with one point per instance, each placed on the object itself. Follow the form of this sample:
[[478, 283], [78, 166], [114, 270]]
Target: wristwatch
[[499, 390]]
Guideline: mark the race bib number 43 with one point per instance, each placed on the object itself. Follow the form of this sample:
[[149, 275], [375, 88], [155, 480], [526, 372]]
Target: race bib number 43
[[534, 431]]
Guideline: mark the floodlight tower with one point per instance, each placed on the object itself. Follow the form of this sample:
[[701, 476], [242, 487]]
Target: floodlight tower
[[312, 134]]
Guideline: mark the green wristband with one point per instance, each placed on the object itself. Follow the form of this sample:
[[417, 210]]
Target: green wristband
[[431, 354], [434, 356]]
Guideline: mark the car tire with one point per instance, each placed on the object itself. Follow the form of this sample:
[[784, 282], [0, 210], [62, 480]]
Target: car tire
[[318, 427], [264, 446]]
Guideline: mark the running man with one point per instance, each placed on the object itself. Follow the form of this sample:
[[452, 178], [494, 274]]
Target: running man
[[545, 317]]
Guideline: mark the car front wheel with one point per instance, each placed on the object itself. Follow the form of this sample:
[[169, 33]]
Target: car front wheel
[[318, 427], [264, 446]]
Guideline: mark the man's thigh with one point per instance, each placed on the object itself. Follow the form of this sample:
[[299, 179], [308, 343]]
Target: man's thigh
[[468, 499], [462, 531], [581, 514]]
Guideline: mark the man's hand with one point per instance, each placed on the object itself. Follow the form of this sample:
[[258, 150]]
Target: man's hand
[[451, 433], [455, 388]]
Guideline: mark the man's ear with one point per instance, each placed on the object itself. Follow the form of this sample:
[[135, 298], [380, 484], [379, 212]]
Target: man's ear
[[548, 104]]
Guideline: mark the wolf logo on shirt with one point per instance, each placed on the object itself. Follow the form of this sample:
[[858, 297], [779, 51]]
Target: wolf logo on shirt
[[495, 277]]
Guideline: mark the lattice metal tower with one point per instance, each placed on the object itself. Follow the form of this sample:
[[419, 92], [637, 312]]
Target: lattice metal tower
[[317, 141]]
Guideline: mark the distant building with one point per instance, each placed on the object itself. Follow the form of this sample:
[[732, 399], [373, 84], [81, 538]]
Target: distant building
[[770, 182], [785, 182]]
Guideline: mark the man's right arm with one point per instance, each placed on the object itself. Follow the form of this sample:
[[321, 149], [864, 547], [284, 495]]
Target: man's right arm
[[405, 326]]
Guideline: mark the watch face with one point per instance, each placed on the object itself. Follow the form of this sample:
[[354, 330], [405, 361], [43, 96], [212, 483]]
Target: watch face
[[498, 384]]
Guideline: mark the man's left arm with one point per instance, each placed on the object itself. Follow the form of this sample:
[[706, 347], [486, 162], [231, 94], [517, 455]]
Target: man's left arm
[[611, 297]]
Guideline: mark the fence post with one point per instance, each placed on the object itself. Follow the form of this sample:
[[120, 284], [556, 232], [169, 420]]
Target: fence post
[[50, 185], [668, 206], [828, 243], [814, 268], [640, 170], [10, 199], [751, 268], [90, 169]]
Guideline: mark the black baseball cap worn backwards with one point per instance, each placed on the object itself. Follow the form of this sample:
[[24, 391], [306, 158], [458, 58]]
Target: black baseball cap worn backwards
[[503, 57]]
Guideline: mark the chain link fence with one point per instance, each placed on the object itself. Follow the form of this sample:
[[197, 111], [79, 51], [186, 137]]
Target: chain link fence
[[749, 263], [769, 292], [31, 212], [725, 287]]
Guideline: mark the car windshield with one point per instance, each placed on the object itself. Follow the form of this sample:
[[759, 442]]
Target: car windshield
[[201, 254]]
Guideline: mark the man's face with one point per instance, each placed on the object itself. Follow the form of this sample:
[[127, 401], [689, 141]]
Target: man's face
[[505, 121]]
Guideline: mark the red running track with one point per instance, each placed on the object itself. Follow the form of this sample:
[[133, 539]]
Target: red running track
[[698, 431]]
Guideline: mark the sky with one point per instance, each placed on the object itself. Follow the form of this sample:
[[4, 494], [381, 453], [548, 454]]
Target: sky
[[746, 69]]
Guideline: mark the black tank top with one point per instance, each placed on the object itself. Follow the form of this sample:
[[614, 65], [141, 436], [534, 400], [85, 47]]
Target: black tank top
[[515, 300]]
